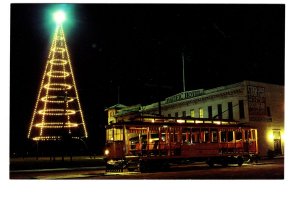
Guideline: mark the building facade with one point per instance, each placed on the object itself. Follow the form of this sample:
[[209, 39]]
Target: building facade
[[257, 104]]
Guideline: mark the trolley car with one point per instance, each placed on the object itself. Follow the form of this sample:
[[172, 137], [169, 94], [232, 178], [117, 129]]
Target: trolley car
[[152, 143]]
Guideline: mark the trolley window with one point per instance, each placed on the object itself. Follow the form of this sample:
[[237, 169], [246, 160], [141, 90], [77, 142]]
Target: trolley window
[[214, 135], [206, 136], [238, 136], [253, 134], [247, 134], [230, 136], [223, 136]]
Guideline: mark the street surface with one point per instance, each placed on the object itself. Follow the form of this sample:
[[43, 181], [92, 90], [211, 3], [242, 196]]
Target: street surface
[[265, 169]]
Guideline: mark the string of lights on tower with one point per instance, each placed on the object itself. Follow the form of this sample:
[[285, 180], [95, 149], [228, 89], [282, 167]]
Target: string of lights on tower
[[57, 112]]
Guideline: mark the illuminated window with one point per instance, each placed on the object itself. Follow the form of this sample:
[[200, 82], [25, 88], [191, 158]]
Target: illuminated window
[[112, 113], [201, 112], [276, 141], [193, 113], [214, 136], [253, 134], [247, 135], [223, 136], [206, 136]]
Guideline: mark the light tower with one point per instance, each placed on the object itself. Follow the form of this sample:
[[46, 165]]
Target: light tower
[[57, 113]]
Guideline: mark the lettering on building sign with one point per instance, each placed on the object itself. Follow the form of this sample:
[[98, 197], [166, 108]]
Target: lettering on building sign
[[184, 95], [261, 119], [257, 103]]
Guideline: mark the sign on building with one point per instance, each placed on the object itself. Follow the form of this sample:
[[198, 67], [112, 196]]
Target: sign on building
[[257, 103]]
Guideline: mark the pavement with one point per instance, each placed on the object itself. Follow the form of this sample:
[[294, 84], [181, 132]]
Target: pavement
[[93, 168], [44, 164]]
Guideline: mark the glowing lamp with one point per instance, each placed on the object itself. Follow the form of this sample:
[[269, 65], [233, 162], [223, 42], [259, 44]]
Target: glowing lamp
[[59, 17], [271, 137], [282, 136], [180, 121]]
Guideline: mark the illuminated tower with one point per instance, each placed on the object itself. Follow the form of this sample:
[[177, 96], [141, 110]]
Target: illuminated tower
[[57, 112]]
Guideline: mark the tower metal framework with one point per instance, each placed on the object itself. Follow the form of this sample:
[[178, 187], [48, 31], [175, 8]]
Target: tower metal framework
[[57, 112]]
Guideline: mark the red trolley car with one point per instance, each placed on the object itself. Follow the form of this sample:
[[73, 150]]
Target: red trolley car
[[152, 143]]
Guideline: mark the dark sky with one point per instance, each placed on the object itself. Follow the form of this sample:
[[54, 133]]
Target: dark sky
[[138, 48]]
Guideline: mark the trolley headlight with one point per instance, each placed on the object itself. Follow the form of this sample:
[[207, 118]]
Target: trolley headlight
[[106, 152]]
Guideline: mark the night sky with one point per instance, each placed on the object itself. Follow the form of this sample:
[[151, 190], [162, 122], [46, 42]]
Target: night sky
[[138, 48]]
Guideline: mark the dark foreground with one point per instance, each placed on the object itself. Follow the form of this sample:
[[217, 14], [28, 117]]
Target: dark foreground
[[93, 168]]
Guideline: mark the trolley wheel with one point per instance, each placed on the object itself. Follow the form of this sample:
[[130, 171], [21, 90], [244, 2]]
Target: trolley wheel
[[240, 161], [143, 167], [210, 162], [131, 169], [224, 162]]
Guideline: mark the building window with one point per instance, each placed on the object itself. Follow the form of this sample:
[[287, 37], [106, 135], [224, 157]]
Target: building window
[[241, 109], [268, 111], [230, 110], [192, 113], [111, 113], [176, 114], [219, 111], [209, 109], [183, 114], [277, 141], [201, 112], [169, 115]]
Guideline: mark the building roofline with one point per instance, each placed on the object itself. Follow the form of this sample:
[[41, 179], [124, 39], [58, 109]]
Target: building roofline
[[205, 92], [116, 106]]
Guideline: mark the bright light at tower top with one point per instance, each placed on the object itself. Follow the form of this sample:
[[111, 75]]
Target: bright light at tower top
[[59, 17]]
